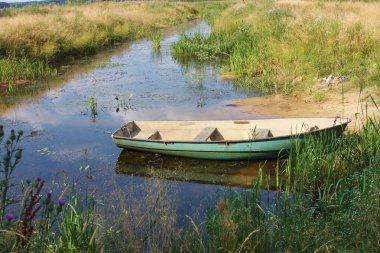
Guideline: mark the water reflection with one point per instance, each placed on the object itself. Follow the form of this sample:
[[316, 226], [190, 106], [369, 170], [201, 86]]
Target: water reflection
[[226, 173], [131, 82]]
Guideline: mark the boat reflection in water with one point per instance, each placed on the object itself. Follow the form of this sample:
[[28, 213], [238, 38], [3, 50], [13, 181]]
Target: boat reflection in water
[[227, 173]]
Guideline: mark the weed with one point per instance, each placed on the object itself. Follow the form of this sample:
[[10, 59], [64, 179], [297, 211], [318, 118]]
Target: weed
[[93, 108], [319, 96], [156, 40]]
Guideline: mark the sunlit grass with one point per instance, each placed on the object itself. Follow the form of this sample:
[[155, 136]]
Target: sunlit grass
[[271, 44], [330, 196], [41, 35]]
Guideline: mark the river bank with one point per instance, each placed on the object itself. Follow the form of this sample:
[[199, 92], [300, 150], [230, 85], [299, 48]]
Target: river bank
[[355, 104], [36, 41]]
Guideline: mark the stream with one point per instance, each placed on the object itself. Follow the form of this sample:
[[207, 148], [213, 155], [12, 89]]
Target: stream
[[68, 122]]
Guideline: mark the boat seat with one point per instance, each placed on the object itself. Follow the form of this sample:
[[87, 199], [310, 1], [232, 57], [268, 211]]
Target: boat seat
[[204, 134], [260, 133], [148, 135]]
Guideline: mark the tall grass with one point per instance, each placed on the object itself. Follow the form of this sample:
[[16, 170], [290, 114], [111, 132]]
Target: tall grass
[[12, 69], [329, 202], [271, 44], [33, 38]]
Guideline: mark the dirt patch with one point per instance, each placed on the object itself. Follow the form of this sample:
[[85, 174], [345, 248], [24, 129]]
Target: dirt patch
[[353, 104], [17, 83]]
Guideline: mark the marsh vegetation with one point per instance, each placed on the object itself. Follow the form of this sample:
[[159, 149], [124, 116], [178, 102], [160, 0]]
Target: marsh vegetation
[[325, 197], [285, 46], [36, 39]]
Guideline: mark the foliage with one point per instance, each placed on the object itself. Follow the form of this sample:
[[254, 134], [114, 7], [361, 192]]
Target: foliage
[[42, 225], [36, 39], [270, 44], [329, 196]]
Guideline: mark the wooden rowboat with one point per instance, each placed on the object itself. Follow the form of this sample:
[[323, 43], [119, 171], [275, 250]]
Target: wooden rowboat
[[224, 140]]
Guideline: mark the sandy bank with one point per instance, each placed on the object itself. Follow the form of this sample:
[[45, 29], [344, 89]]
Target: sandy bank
[[351, 104]]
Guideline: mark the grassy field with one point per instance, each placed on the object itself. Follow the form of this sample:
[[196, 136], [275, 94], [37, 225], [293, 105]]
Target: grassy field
[[35, 39], [286, 46], [329, 201]]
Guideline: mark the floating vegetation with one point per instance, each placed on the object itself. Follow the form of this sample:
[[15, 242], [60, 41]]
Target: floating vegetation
[[46, 151], [196, 78], [124, 103], [201, 102], [111, 65]]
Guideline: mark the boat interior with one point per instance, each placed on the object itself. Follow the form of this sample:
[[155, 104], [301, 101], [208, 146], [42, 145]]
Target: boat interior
[[200, 131]]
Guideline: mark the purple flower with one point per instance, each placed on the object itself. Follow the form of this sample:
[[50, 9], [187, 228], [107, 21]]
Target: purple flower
[[49, 195], [8, 216], [39, 179], [61, 202]]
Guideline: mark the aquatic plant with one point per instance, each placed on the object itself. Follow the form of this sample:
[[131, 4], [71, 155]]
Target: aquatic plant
[[124, 103], [13, 69], [156, 40], [93, 108]]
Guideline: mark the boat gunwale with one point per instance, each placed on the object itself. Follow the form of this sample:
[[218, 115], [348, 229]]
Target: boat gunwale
[[227, 142]]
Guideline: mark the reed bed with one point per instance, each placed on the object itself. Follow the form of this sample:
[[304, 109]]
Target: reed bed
[[44, 35], [272, 45], [329, 202]]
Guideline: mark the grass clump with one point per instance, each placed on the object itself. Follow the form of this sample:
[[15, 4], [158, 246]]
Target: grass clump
[[156, 40], [12, 69], [272, 44]]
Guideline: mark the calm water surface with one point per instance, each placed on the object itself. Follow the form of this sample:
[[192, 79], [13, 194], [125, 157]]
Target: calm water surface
[[131, 82]]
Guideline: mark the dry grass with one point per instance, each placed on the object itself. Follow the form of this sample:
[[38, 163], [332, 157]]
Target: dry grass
[[140, 218], [349, 13], [50, 31]]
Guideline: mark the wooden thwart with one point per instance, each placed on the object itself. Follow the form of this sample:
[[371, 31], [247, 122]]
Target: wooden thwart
[[205, 134], [261, 134], [149, 135]]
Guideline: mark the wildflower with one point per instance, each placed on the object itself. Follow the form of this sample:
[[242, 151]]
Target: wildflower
[[61, 202], [12, 136], [49, 194], [7, 157], [8, 216], [39, 179], [18, 154]]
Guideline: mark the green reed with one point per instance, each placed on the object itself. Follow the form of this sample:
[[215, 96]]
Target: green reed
[[327, 199], [12, 69], [270, 51], [156, 40]]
